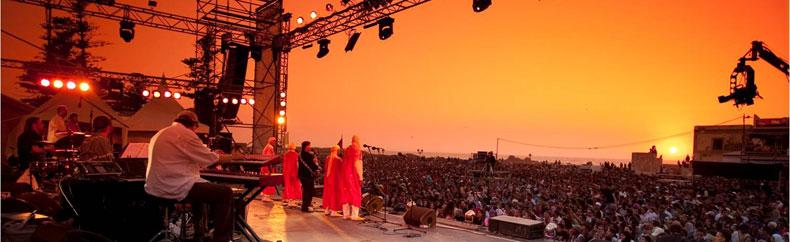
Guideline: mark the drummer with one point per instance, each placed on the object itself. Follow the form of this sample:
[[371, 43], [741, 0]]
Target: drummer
[[73, 123], [29, 143], [57, 125], [98, 147]]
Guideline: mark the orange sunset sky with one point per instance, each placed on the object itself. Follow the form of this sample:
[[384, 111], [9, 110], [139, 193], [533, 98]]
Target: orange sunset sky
[[550, 72]]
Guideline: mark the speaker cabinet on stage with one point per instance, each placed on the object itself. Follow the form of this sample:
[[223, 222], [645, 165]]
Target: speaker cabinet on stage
[[133, 167], [417, 216], [516, 227], [232, 81]]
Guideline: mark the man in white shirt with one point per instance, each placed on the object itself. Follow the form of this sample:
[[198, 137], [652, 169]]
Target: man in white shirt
[[175, 157], [57, 125]]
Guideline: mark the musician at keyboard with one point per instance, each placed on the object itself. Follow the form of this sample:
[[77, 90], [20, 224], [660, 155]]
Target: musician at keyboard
[[98, 146], [176, 156]]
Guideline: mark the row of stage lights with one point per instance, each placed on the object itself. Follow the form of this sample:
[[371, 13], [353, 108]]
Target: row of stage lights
[[236, 101], [281, 118], [70, 85], [385, 25], [158, 94]]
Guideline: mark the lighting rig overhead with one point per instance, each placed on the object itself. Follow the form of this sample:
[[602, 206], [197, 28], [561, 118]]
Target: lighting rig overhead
[[126, 30], [323, 48], [385, 27], [58, 84], [215, 18], [233, 100], [480, 5], [352, 41]]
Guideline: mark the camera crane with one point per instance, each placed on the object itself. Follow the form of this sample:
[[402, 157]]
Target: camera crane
[[744, 93]]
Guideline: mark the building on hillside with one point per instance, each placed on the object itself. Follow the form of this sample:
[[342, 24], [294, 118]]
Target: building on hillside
[[757, 151], [646, 163]]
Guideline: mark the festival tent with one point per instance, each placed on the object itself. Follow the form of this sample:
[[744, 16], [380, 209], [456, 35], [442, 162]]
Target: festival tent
[[158, 113], [87, 105]]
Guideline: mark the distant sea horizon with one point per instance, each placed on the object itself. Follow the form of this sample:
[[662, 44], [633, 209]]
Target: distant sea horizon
[[565, 160]]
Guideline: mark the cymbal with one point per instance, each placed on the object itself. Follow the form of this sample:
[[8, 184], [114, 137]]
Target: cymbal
[[44, 142], [22, 216], [66, 151], [70, 134]]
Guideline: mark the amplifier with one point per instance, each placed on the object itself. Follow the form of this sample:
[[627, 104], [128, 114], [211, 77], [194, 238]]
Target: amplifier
[[133, 167], [516, 227], [99, 168]]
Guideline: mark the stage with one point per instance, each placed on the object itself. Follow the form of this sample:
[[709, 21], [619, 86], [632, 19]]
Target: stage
[[272, 222]]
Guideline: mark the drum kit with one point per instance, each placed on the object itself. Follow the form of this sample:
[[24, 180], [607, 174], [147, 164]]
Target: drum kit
[[63, 155]]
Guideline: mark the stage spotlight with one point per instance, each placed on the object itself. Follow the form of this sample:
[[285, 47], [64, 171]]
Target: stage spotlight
[[281, 120], [282, 104], [385, 27], [127, 30], [480, 5], [224, 100], [352, 41], [234, 101], [299, 20], [177, 95], [71, 85], [313, 14], [157, 94], [329, 7], [146, 93], [323, 48], [282, 94], [282, 112], [45, 82], [57, 84], [84, 86], [243, 101], [152, 3], [168, 94], [251, 101]]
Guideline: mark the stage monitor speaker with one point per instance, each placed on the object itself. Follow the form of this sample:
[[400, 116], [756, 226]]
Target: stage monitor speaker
[[232, 81], [516, 227], [418, 216]]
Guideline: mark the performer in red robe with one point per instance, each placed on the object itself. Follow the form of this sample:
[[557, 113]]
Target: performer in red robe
[[333, 168], [268, 152], [351, 180], [292, 192]]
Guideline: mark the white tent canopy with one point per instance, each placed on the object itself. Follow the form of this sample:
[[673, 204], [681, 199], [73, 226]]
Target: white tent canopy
[[158, 113]]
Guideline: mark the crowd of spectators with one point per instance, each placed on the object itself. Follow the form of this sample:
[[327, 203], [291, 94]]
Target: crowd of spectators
[[607, 204]]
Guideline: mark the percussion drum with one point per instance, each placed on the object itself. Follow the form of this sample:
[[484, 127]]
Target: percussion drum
[[372, 203]]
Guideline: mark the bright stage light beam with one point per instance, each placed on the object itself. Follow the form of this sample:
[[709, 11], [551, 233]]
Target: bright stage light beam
[[84, 86]]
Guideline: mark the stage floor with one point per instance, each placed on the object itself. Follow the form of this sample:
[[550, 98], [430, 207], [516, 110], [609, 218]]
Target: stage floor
[[272, 222]]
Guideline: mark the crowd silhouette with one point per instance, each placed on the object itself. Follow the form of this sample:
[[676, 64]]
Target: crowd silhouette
[[611, 204]]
